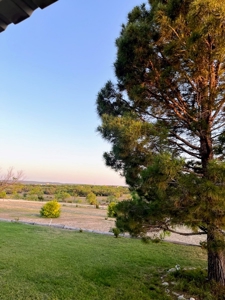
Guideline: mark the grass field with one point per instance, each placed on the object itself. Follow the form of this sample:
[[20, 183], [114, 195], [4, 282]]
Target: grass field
[[46, 263]]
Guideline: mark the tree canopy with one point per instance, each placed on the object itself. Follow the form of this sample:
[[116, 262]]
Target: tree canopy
[[165, 120]]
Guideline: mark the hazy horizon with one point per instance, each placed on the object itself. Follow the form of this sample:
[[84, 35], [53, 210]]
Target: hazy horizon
[[64, 183]]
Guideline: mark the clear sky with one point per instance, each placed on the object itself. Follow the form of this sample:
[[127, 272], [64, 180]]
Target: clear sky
[[52, 67]]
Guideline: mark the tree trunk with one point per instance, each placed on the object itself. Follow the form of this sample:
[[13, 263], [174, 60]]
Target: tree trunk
[[206, 152], [216, 256], [215, 239]]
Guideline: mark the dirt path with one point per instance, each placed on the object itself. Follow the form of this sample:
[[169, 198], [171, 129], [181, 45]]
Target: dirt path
[[83, 217]]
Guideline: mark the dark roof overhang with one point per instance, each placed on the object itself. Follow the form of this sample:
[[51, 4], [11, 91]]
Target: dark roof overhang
[[15, 11]]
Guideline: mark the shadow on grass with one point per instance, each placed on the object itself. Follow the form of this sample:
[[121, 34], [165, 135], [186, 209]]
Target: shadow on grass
[[194, 283]]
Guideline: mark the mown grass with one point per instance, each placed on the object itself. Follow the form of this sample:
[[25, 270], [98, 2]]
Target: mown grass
[[47, 263], [194, 282]]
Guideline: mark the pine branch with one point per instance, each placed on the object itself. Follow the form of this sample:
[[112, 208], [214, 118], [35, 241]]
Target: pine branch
[[185, 142], [185, 150], [185, 233], [222, 102]]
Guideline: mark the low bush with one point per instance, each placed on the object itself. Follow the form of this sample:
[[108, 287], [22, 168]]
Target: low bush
[[32, 197], [111, 199], [40, 198], [91, 198], [51, 209], [116, 232], [111, 210], [2, 194]]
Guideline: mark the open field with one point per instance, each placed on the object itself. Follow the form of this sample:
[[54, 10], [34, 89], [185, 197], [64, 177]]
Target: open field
[[77, 216], [43, 263], [73, 215]]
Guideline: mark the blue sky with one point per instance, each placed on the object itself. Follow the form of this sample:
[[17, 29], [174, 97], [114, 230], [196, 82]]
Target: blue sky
[[52, 67]]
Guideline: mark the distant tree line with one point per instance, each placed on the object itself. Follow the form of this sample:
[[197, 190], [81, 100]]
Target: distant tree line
[[61, 192]]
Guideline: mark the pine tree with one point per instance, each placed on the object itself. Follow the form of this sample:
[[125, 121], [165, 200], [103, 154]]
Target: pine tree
[[165, 119]]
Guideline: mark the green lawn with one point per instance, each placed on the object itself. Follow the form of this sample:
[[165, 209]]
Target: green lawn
[[46, 263]]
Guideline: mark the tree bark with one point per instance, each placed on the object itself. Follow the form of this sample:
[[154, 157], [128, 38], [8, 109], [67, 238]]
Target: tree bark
[[215, 238], [206, 152], [216, 256]]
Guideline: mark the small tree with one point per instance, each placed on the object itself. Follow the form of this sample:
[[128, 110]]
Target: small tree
[[91, 198], [9, 182], [112, 198], [41, 197], [62, 196], [51, 209]]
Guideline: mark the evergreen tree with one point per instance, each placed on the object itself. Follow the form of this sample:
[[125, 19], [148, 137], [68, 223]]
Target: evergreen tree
[[165, 120]]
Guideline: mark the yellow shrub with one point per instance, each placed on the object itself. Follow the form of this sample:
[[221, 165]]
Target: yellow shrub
[[51, 209]]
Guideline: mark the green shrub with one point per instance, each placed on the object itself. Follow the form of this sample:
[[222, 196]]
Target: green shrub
[[91, 198], [40, 198], [16, 196], [2, 194], [32, 197], [111, 198], [51, 209], [116, 232], [111, 210], [62, 196]]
